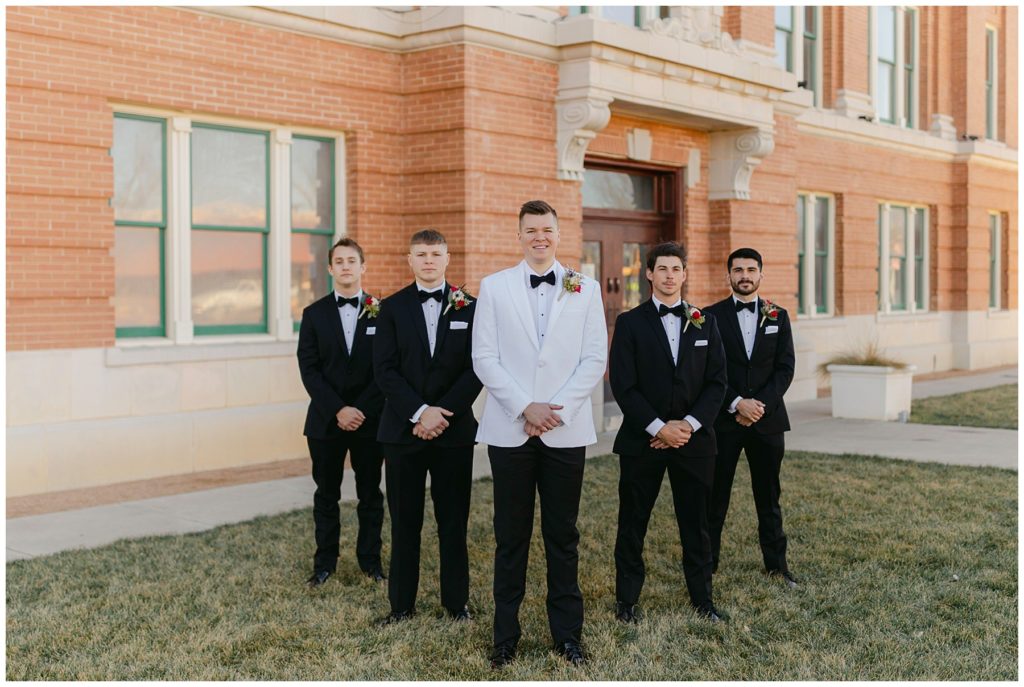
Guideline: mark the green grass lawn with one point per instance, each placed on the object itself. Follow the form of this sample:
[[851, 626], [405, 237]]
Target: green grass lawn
[[994, 407], [909, 570]]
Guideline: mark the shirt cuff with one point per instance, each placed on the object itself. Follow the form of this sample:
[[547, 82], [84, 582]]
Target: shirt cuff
[[416, 416], [735, 402], [694, 422], [655, 427]]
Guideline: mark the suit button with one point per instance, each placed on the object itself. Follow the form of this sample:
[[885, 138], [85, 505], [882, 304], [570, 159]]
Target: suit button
[[541, 363]]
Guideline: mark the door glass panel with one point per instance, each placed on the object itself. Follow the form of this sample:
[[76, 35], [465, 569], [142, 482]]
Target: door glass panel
[[590, 263], [617, 190], [635, 287]]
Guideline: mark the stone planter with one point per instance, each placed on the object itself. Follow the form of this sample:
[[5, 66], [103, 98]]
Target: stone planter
[[870, 392]]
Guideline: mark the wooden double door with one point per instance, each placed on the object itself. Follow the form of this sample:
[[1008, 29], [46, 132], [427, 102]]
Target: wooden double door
[[627, 209]]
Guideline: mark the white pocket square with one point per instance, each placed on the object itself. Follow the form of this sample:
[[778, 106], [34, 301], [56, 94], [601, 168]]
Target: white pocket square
[[700, 342], [771, 329], [460, 325], [370, 331]]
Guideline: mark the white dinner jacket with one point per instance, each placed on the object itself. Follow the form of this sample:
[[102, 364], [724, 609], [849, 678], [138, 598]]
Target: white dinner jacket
[[517, 370]]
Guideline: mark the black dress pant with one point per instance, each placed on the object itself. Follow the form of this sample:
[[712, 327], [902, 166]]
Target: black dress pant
[[328, 456], [557, 475], [451, 478], [764, 456], [640, 480]]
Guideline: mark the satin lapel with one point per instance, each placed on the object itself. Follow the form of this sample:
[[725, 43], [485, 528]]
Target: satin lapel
[[362, 322], [516, 284], [419, 322], [443, 322], [561, 300], [759, 329], [658, 329], [332, 311], [732, 324]]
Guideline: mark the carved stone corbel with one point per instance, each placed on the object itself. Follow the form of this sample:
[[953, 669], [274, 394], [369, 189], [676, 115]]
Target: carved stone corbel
[[734, 155], [579, 120]]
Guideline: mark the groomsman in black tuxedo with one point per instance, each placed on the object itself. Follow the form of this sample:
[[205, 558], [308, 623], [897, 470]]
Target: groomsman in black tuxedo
[[759, 349], [422, 362], [336, 363], [667, 371]]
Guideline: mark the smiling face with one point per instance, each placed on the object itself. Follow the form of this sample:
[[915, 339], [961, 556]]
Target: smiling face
[[667, 278], [744, 277], [347, 270], [428, 263], [538, 237]]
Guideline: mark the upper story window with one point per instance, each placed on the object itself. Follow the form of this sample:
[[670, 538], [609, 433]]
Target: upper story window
[[630, 15], [815, 235], [903, 258], [991, 71], [894, 57], [235, 241], [803, 58]]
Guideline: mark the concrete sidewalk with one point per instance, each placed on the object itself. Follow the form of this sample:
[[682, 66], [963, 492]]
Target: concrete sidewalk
[[814, 429]]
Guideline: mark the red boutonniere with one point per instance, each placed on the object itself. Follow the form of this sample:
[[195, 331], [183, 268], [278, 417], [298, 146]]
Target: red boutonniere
[[572, 282], [693, 315], [769, 311], [371, 307], [457, 299]]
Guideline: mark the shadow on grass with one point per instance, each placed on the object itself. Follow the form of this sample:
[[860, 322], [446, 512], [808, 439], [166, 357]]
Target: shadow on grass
[[910, 572]]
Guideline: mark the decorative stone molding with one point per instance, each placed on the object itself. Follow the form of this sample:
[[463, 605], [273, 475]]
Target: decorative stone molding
[[698, 25], [942, 126], [579, 120], [734, 155], [638, 145], [853, 104]]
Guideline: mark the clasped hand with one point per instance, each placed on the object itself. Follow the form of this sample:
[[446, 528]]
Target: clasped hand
[[675, 434], [432, 423], [541, 417], [350, 418], [749, 411]]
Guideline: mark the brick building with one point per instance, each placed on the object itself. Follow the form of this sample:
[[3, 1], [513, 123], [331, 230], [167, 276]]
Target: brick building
[[175, 176]]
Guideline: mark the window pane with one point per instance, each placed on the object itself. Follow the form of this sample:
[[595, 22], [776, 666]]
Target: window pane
[[624, 14], [886, 33], [617, 190], [227, 278], [310, 279], [908, 89], [820, 282], [908, 37], [897, 258], [229, 178], [810, 20], [821, 225], [809, 63], [312, 192], [138, 170], [920, 237], [590, 263], [635, 287], [784, 17], [989, 54], [137, 277], [782, 49], [993, 262], [883, 95], [800, 211]]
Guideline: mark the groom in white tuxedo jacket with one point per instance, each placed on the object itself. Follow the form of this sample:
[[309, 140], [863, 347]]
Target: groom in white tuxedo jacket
[[540, 345]]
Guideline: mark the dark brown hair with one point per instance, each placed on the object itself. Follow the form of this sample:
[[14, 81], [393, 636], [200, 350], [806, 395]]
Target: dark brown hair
[[666, 250], [430, 237], [536, 207], [744, 253], [345, 243]]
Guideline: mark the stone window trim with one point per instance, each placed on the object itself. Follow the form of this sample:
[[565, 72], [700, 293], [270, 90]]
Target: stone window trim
[[811, 309], [180, 330], [903, 103], [910, 274]]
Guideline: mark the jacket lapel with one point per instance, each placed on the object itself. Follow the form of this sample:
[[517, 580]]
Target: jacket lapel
[[442, 319], [561, 299], [651, 315], [758, 329], [732, 324], [332, 311], [419, 322], [516, 283]]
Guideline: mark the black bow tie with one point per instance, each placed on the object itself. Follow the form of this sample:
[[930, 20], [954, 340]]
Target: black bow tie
[[354, 301], [740, 305], [427, 295], [665, 310], [536, 281]]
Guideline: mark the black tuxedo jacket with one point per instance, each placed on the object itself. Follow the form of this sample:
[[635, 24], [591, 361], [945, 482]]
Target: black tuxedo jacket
[[766, 375], [409, 376], [333, 376], [647, 386]]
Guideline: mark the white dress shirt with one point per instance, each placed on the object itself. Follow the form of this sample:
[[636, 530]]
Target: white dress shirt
[[748, 328], [673, 325], [432, 314], [348, 314], [542, 298]]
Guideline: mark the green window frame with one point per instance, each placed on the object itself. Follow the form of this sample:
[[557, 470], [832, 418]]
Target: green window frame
[[264, 231], [811, 49], [990, 91], [161, 227], [329, 233], [920, 245], [801, 232], [784, 33], [913, 289], [814, 257], [909, 71], [821, 305], [887, 65], [994, 222]]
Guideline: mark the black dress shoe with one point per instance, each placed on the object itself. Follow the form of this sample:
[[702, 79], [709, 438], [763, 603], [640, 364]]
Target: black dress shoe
[[502, 655], [460, 616], [785, 576], [628, 613], [318, 578], [572, 652], [712, 614], [375, 574], [394, 617]]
